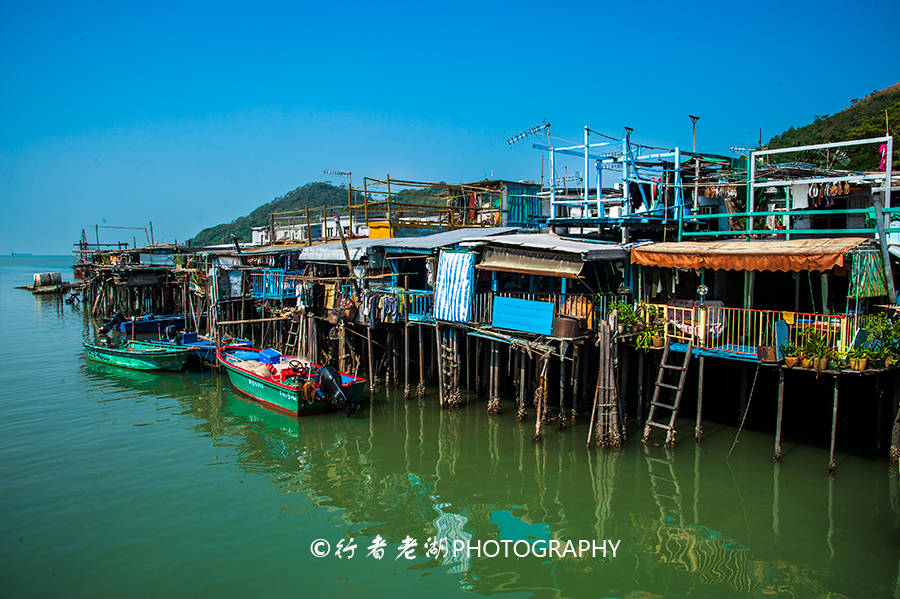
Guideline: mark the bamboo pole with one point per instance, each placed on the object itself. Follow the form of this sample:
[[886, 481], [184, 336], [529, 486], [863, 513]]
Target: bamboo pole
[[778, 416], [831, 463]]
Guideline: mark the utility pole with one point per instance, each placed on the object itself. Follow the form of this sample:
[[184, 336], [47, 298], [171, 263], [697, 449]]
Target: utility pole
[[694, 120]]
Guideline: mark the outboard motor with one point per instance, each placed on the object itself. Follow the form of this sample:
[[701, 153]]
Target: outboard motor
[[171, 333], [112, 323], [330, 386]]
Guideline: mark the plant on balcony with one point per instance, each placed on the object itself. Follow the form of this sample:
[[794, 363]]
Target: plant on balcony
[[837, 359], [791, 352], [652, 333], [815, 349], [626, 316], [858, 358]]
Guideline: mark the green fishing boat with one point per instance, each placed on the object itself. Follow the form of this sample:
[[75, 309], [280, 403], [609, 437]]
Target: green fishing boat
[[139, 356], [290, 385]]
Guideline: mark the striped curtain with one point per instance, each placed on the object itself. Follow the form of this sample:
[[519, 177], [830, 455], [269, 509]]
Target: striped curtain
[[453, 287]]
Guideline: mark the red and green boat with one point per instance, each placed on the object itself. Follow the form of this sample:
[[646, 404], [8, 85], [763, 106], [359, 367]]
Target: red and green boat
[[288, 384]]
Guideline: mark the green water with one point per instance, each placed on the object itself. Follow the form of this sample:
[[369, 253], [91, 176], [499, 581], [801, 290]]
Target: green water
[[119, 483]]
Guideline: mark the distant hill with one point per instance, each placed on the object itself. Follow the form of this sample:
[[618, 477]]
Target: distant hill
[[310, 195], [864, 118]]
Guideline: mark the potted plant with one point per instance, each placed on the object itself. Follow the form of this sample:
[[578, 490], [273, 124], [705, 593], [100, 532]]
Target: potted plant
[[815, 350], [627, 317], [791, 352], [836, 359], [858, 357]]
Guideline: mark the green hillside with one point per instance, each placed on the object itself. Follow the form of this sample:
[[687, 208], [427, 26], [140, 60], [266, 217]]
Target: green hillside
[[310, 195], [864, 118]]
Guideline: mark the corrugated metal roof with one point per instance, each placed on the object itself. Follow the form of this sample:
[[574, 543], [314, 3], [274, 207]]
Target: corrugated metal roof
[[587, 250], [333, 252], [442, 239], [549, 264]]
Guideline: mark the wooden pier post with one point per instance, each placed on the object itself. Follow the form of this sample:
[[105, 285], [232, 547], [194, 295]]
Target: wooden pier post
[[440, 363], [563, 350], [521, 414], [778, 416], [406, 359], [369, 357], [895, 433], [698, 427], [541, 402], [831, 462], [640, 387], [493, 406], [420, 389]]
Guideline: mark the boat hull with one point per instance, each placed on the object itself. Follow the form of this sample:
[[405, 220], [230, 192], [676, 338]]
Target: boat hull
[[203, 350], [284, 398], [163, 359], [156, 324]]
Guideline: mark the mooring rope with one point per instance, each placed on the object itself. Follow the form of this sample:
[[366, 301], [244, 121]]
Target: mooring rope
[[746, 410]]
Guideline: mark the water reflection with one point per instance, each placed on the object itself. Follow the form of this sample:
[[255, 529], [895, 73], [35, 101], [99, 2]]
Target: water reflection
[[688, 522]]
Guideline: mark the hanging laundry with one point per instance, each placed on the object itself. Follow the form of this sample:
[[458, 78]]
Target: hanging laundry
[[372, 305], [390, 308], [799, 196], [882, 151]]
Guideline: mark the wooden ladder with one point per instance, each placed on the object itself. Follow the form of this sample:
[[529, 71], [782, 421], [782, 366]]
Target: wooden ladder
[[291, 340], [665, 366]]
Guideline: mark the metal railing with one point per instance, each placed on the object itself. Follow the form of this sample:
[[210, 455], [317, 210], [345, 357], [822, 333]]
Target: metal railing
[[741, 331], [585, 307]]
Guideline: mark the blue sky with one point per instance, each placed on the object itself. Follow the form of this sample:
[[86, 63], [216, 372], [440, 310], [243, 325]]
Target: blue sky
[[188, 116]]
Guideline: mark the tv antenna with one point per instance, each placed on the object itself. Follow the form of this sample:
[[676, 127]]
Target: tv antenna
[[347, 174], [529, 132]]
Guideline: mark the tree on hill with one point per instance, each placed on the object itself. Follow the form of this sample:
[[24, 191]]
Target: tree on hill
[[311, 195], [864, 118]]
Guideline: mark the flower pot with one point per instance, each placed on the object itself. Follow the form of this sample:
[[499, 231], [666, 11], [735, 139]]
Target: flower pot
[[890, 361], [806, 362], [766, 353], [858, 363], [820, 364], [658, 342], [791, 361]]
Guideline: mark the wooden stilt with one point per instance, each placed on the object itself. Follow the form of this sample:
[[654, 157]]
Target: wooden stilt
[[576, 371], [563, 350], [440, 363], [778, 416], [468, 363], [522, 413], [698, 427], [831, 463], [493, 406], [640, 387], [541, 400], [420, 389], [406, 360], [478, 367], [895, 433], [369, 358]]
